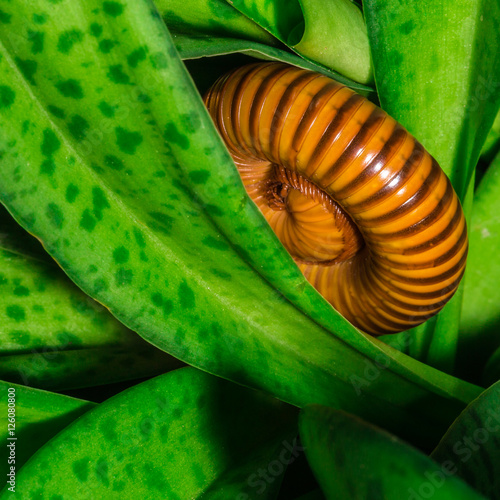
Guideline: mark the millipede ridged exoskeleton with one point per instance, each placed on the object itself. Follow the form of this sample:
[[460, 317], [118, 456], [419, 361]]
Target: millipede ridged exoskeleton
[[368, 215]]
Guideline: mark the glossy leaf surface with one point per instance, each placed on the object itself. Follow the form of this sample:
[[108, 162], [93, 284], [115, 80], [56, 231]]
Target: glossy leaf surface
[[53, 335], [480, 321], [331, 33], [471, 447], [39, 416], [182, 435], [193, 46], [353, 459], [447, 55], [121, 166], [214, 18]]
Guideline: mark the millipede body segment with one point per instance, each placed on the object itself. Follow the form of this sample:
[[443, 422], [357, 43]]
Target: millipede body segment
[[368, 215]]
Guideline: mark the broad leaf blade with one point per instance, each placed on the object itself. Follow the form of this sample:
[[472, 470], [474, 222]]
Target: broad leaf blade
[[437, 68], [353, 459], [472, 444], [214, 18], [182, 435], [330, 33], [195, 46], [185, 258], [39, 416], [480, 322], [53, 335]]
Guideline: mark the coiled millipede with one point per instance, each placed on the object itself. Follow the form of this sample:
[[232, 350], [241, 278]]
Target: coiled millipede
[[368, 215]]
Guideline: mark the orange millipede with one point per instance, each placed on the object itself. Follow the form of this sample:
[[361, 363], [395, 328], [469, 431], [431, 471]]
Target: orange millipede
[[366, 212]]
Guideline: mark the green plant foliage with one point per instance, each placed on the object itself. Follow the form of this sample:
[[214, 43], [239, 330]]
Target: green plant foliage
[[449, 106], [39, 416], [330, 33], [471, 447], [191, 47], [355, 460], [480, 322], [155, 191], [53, 335], [182, 435], [492, 142], [491, 372], [108, 156], [211, 18]]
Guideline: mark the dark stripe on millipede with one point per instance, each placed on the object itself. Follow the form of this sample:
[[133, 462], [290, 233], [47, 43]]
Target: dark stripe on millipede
[[443, 235], [341, 118], [377, 163], [259, 99], [454, 250], [284, 107], [436, 294], [318, 102], [433, 280], [364, 134], [404, 305], [442, 205], [395, 183], [236, 100], [425, 189]]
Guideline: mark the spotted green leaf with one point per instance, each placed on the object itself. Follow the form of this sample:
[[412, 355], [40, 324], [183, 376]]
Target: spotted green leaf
[[353, 459], [419, 49], [184, 257], [39, 416], [471, 447], [53, 336], [213, 18], [182, 435]]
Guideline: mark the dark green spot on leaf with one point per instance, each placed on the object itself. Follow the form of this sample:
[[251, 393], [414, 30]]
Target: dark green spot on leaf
[[121, 255], [113, 9], [70, 88], [72, 192], [113, 162], [7, 97], [127, 141], [55, 215], [17, 313]]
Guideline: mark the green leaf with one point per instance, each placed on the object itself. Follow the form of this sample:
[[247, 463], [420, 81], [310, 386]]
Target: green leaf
[[39, 416], [330, 33], [492, 143], [194, 46], [53, 335], [471, 447], [182, 435], [59, 370], [480, 320], [184, 257], [437, 68], [353, 459], [214, 18], [419, 50], [492, 369]]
